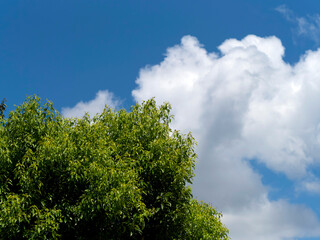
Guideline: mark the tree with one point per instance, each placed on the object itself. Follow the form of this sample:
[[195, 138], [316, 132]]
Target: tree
[[118, 175], [2, 108]]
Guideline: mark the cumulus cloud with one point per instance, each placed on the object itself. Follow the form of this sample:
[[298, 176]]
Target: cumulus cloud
[[308, 27], [273, 220], [240, 104], [92, 107]]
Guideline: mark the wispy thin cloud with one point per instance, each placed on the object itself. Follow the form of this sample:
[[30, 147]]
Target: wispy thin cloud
[[308, 27], [286, 12]]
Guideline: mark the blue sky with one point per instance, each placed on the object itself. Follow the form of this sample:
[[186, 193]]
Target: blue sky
[[243, 76]]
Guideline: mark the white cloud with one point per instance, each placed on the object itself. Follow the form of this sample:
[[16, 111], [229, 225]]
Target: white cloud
[[308, 27], [273, 220], [311, 185], [92, 107], [247, 103]]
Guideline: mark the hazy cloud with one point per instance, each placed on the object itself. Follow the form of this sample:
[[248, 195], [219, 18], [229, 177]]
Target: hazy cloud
[[244, 103], [312, 186], [286, 12]]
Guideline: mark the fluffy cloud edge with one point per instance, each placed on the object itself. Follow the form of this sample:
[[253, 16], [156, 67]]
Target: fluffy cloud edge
[[92, 107], [252, 88]]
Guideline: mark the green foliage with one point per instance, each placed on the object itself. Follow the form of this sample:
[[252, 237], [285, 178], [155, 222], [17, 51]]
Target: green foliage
[[119, 175], [2, 108], [204, 223]]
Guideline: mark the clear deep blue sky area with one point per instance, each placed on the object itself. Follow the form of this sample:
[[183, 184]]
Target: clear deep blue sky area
[[242, 75], [66, 50]]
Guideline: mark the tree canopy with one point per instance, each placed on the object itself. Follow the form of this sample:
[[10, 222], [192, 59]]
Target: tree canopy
[[2, 107], [118, 175]]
